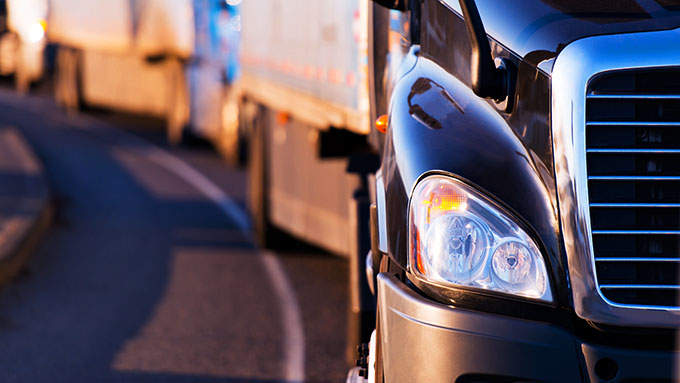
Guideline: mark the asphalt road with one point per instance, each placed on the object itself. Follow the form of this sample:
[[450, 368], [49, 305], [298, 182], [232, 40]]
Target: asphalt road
[[147, 273]]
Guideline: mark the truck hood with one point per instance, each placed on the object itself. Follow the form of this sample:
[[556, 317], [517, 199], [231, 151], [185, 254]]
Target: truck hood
[[538, 29]]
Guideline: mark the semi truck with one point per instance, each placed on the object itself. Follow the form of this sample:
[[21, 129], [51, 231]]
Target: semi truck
[[163, 58], [525, 225], [304, 107], [22, 40]]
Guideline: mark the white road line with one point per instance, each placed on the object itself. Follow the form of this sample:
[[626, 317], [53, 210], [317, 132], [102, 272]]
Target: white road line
[[292, 318], [202, 184], [294, 339], [294, 335]]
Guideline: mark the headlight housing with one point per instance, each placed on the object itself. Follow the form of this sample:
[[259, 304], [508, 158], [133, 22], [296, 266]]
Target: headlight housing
[[458, 237]]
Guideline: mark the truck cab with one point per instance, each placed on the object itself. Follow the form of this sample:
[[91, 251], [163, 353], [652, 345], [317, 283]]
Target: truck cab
[[22, 41], [526, 224]]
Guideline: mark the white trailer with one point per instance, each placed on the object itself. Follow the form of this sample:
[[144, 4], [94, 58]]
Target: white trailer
[[305, 107], [140, 56], [304, 82]]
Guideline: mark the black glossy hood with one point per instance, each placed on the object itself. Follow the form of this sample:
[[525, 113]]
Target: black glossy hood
[[538, 29]]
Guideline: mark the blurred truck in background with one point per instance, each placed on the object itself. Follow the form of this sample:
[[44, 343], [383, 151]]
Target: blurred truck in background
[[305, 108], [163, 58], [22, 40], [304, 84]]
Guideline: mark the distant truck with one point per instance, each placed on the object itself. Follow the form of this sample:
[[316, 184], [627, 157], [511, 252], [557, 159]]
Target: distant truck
[[164, 58], [305, 109], [22, 40]]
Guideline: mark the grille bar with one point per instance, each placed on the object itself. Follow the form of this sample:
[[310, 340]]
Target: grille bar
[[636, 232], [633, 164], [634, 178], [668, 124], [631, 259], [641, 287], [599, 96], [628, 151], [636, 204]]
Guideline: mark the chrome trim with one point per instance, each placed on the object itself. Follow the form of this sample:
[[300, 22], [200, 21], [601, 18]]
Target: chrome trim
[[635, 123], [640, 287], [637, 204], [575, 65], [637, 259], [663, 151], [633, 96], [634, 178], [382, 211]]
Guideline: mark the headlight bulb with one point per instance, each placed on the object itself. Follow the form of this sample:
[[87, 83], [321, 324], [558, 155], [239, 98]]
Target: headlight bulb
[[456, 247], [511, 262], [515, 268]]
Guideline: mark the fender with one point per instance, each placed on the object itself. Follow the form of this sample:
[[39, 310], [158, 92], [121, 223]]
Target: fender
[[438, 125]]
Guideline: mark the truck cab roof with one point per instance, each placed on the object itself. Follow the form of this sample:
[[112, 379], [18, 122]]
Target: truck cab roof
[[537, 30]]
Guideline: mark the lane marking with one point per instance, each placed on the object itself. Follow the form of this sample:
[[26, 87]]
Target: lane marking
[[294, 335], [292, 318], [201, 183]]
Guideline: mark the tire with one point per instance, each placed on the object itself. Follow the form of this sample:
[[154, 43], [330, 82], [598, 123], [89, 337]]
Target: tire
[[67, 79]]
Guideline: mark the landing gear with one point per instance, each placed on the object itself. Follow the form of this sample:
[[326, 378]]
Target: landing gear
[[361, 306]]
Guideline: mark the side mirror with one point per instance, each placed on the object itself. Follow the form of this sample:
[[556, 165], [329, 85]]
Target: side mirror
[[489, 80], [399, 5]]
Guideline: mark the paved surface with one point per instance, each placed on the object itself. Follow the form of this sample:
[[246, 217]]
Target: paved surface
[[144, 278]]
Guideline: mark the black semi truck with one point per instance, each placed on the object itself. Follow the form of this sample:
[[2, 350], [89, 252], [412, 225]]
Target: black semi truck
[[526, 225]]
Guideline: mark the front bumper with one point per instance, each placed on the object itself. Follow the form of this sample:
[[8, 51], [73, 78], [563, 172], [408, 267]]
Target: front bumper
[[424, 341]]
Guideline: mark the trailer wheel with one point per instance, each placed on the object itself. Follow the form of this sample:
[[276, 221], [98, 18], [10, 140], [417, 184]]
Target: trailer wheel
[[67, 78]]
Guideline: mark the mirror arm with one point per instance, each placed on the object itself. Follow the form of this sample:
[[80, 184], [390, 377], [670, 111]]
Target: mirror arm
[[399, 5], [487, 79]]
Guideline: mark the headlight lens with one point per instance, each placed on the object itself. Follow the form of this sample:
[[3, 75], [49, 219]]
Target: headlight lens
[[460, 238]]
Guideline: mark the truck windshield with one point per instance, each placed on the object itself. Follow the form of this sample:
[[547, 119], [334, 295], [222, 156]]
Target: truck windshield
[[594, 10]]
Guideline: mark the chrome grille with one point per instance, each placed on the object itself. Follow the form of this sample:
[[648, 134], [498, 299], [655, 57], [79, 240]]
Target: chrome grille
[[633, 165]]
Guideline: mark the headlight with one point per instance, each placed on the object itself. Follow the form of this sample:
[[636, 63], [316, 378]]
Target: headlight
[[458, 237], [36, 31]]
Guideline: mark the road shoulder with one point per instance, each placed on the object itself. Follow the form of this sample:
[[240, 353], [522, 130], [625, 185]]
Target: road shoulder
[[25, 205]]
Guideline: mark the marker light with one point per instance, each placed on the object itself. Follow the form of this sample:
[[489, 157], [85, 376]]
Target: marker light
[[460, 238], [381, 123]]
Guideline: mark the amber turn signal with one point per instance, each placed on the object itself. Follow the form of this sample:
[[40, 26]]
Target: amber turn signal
[[282, 118], [381, 123]]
